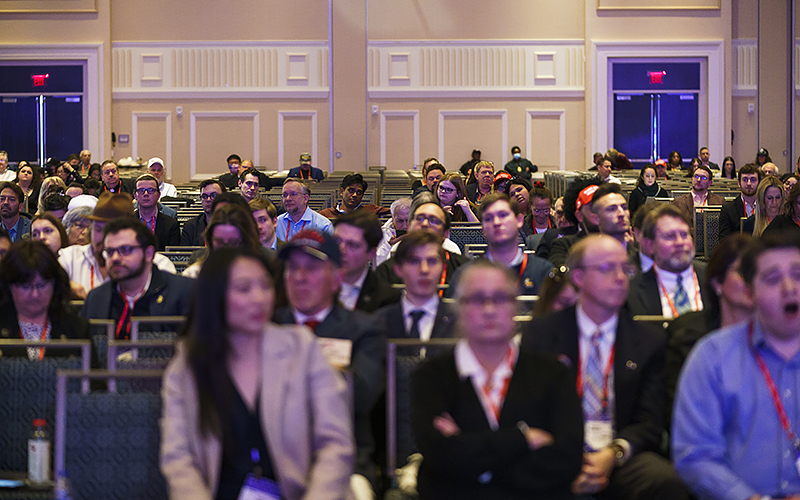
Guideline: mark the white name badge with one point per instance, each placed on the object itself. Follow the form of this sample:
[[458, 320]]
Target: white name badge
[[259, 489], [598, 434], [336, 351]]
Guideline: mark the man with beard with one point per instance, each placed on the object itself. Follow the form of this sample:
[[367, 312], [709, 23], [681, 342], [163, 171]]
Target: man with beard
[[673, 286], [192, 233], [298, 215], [700, 196], [743, 205], [137, 287], [11, 197]]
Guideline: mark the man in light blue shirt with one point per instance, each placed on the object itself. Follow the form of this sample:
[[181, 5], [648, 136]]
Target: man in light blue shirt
[[738, 401], [298, 216]]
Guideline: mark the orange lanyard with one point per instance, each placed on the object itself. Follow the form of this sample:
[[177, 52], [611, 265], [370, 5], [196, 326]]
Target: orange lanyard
[[444, 273], [44, 337], [289, 225], [488, 387], [522, 268], [669, 299], [606, 376], [91, 272]]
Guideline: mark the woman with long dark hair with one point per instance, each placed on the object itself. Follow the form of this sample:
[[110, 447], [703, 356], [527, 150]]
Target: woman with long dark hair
[[29, 181], [728, 168], [452, 196], [34, 299], [646, 186], [245, 398]]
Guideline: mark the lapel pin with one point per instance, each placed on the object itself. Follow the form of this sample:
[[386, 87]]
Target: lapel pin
[[631, 365], [160, 299]]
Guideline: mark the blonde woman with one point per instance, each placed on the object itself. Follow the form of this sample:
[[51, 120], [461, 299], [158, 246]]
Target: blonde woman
[[769, 203], [48, 188]]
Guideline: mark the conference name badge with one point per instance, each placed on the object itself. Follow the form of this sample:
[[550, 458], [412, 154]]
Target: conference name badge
[[259, 488], [598, 434]]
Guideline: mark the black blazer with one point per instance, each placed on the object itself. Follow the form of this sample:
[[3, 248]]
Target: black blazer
[[391, 319], [560, 248], [730, 217], [192, 232], [643, 295], [541, 394], [547, 239], [639, 360], [781, 223], [168, 231], [376, 293]]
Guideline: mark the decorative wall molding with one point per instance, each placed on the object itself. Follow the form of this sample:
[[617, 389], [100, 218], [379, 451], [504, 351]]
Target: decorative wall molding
[[502, 113], [167, 116], [413, 113], [744, 62], [219, 70], [797, 67], [475, 68], [94, 129], [562, 132], [711, 116], [282, 115], [194, 116]]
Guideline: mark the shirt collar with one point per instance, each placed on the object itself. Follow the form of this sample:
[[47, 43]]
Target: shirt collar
[[301, 318], [431, 306], [670, 280], [359, 282], [517, 259], [467, 363], [587, 327], [307, 214]]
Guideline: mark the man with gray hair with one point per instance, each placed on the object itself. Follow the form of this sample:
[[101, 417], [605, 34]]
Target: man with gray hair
[[393, 229]]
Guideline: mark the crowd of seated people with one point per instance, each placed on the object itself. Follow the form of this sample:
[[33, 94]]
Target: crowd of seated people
[[281, 365]]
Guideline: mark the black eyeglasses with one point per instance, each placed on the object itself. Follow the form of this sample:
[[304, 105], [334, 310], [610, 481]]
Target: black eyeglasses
[[124, 251], [147, 190], [208, 196]]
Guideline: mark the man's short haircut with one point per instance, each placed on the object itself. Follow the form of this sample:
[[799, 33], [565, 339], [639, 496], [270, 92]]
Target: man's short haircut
[[541, 192], [351, 179], [233, 157], [436, 166], [515, 148], [758, 246], [400, 203], [144, 237], [706, 168], [76, 214], [106, 162], [663, 210], [248, 171], [750, 168], [704, 147], [641, 213], [522, 181], [209, 182], [414, 240], [481, 164], [229, 197], [264, 204], [492, 198], [146, 177], [368, 222], [596, 156], [425, 198], [73, 156], [571, 196], [304, 185], [17, 191], [91, 184], [605, 189]]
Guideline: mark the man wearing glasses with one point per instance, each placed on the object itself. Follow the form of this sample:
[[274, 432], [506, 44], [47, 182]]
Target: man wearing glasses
[[166, 229], [298, 216], [619, 368], [111, 181], [136, 287], [192, 234], [699, 196]]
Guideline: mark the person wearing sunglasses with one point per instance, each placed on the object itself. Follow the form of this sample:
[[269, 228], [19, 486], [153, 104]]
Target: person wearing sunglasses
[[192, 234], [136, 286], [165, 228], [700, 196]]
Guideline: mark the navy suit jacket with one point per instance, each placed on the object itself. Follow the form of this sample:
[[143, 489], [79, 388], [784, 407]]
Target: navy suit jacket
[[316, 174], [376, 293], [644, 298], [639, 371]]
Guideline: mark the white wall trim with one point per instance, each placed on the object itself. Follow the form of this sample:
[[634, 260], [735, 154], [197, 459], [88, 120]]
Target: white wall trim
[[193, 117], [713, 51], [412, 113], [488, 43], [562, 132], [282, 115], [135, 136], [502, 113], [465, 93], [744, 67], [94, 122]]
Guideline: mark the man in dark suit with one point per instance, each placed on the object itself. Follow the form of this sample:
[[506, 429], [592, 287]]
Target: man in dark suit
[[192, 232], [743, 205], [166, 229], [137, 287], [231, 179], [358, 234], [577, 209], [350, 340], [111, 181], [493, 421], [484, 175], [675, 284], [704, 154], [619, 366], [702, 179]]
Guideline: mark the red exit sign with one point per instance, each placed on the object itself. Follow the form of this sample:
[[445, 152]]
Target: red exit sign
[[40, 80], [656, 76]]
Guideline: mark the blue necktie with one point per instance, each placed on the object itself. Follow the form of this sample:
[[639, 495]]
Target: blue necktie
[[682, 303], [593, 381]]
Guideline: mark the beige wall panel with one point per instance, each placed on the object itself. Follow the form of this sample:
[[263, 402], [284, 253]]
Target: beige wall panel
[[152, 138], [669, 25], [297, 132], [744, 19], [545, 142], [745, 143], [462, 134], [212, 20], [214, 135], [400, 142], [774, 101], [476, 19]]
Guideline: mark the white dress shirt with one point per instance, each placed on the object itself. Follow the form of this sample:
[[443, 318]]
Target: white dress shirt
[[468, 366], [426, 322], [168, 189], [348, 294]]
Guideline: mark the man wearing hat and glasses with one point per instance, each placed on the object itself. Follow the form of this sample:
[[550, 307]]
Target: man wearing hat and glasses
[[85, 264], [305, 171], [156, 168]]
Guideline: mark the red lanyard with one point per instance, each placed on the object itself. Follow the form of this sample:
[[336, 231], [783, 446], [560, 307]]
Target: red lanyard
[[289, 225], [44, 337], [125, 311], [91, 271], [153, 228], [487, 387], [606, 376], [669, 299], [444, 273], [522, 268], [773, 391]]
